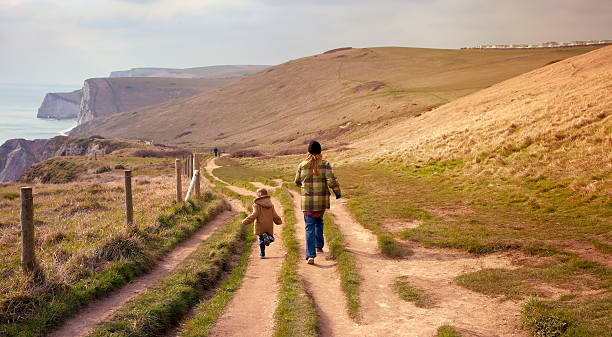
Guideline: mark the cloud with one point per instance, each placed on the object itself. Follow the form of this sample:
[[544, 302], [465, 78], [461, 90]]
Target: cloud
[[141, 2], [69, 40], [9, 3]]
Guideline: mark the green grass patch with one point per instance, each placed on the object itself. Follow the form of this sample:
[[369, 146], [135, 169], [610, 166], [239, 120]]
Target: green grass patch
[[247, 200], [476, 214], [10, 196], [447, 331], [163, 304], [411, 293], [237, 174], [103, 169], [120, 257], [295, 314], [564, 271], [222, 188], [349, 275], [207, 312], [569, 316], [372, 219]]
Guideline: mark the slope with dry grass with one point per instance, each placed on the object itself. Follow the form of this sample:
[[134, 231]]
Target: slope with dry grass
[[523, 165], [83, 247], [552, 122], [342, 89]]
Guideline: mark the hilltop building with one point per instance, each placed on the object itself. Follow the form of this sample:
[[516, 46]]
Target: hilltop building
[[550, 44]]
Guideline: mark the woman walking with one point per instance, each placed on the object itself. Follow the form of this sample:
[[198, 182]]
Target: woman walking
[[315, 177]]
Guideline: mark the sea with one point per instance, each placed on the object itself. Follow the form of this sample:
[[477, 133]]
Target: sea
[[19, 103]]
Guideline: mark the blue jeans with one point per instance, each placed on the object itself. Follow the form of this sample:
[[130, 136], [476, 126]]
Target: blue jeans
[[262, 246], [314, 235]]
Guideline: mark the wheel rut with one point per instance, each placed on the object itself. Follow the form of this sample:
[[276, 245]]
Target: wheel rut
[[322, 282], [251, 310]]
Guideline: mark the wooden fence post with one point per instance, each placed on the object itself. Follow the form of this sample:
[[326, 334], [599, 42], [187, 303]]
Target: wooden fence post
[[192, 169], [196, 167], [179, 189], [27, 230], [129, 208], [189, 166]]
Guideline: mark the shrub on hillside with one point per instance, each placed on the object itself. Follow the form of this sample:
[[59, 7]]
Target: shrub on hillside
[[53, 171], [246, 153], [288, 152], [103, 169]]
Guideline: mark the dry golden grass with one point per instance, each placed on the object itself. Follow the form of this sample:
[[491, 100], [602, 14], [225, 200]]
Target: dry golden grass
[[555, 121], [73, 220], [277, 107]]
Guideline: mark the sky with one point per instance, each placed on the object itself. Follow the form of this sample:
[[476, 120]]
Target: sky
[[67, 41]]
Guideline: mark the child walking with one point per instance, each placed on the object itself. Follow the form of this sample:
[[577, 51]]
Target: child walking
[[264, 216]]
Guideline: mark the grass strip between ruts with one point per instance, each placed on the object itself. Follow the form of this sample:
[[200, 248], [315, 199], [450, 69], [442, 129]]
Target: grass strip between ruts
[[236, 173], [295, 314], [159, 239], [349, 275], [411, 293], [164, 303], [221, 188], [207, 312]]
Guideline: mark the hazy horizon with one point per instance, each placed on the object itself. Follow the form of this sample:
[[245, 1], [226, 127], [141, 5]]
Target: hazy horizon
[[53, 41]]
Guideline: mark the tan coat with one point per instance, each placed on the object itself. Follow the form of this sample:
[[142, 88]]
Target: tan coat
[[264, 216]]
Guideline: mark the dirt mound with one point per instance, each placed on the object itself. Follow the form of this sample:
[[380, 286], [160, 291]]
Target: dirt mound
[[337, 49]]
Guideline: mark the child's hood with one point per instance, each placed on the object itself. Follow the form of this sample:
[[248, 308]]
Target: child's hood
[[264, 201]]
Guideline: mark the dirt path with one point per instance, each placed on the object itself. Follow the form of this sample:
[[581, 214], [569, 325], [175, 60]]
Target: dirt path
[[384, 313], [210, 166], [322, 282], [251, 310], [98, 311]]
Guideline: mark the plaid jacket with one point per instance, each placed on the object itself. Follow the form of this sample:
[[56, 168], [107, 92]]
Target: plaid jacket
[[315, 189]]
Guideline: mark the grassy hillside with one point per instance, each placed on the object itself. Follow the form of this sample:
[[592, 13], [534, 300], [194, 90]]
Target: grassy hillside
[[524, 167], [324, 95], [554, 122]]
